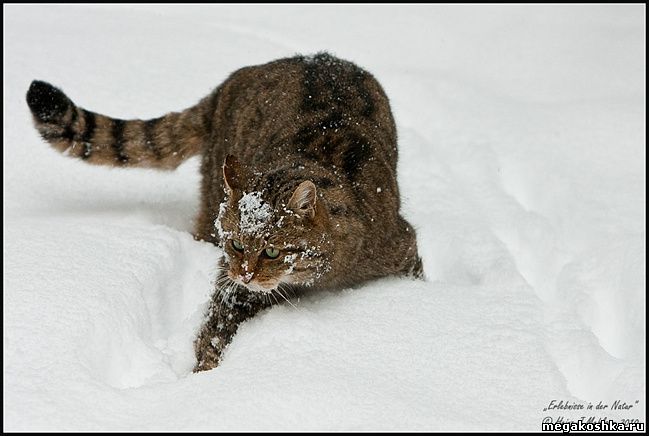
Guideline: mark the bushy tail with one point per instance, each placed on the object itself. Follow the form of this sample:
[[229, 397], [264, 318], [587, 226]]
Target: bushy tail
[[163, 142]]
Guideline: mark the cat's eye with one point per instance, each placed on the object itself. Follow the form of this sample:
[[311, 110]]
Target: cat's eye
[[237, 245], [272, 252]]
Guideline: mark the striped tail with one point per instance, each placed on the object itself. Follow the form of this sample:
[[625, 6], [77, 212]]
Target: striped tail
[[163, 142]]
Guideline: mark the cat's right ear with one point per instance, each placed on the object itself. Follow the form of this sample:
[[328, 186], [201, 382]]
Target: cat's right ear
[[233, 174], [303, 200]]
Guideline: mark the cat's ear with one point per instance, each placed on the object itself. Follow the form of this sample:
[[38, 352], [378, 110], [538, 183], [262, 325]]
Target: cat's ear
[[234, 174], [303, 199]]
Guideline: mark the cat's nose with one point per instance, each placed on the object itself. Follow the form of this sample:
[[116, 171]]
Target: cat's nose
[[246, 277]]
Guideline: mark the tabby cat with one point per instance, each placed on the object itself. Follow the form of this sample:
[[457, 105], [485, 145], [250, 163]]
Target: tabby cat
[[299, 183]]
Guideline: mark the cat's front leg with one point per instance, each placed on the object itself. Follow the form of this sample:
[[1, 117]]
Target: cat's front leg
[[225, 314]]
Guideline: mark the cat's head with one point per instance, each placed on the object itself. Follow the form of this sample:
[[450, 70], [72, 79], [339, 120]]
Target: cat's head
[[273, 235]]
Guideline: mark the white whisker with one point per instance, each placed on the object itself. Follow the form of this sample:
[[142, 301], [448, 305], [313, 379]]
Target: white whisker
[[224, 292], [273, 295], [284, 297]]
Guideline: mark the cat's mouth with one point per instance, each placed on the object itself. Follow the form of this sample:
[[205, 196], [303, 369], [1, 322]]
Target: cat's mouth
[[254, 285]]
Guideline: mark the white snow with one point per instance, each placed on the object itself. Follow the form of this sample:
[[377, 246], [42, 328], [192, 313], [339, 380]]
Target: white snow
[[223, 234], [290, 260], [521, 165], [254, 213]]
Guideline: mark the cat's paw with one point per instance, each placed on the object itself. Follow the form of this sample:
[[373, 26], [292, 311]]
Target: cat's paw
[[47, 103], [207, 357]]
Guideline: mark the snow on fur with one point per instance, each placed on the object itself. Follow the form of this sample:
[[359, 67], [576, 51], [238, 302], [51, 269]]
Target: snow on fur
[[255, 214]]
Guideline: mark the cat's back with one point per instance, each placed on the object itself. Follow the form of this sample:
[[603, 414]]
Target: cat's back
[[318, 81], [285, 100]]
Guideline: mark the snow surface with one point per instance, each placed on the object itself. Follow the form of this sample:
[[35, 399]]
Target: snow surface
[[522, 166]]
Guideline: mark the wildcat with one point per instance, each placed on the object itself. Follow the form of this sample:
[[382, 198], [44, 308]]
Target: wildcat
[[299, 183]]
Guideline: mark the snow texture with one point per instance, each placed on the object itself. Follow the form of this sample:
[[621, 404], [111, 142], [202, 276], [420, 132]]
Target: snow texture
[[254, 214], [521, 165]]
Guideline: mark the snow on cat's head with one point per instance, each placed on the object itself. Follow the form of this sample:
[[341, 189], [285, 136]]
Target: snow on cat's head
[[271, 236]]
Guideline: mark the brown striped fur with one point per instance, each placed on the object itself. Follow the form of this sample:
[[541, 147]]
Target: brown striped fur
[[309, 141], [162, 143]]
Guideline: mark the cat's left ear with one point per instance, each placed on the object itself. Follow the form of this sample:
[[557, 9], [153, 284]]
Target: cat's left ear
[[303, 199], [234, 174]]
